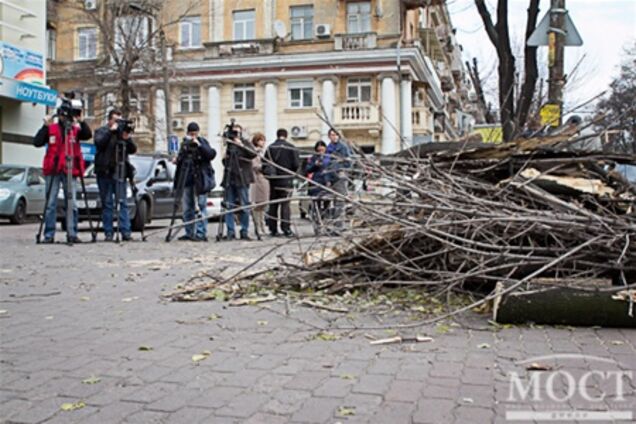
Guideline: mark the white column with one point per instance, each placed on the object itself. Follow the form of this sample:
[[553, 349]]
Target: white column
[[328, 99], [271, 111], [214, 129], [406, 108], [217, 11], [268, 16], [161, 138], [389, 122]]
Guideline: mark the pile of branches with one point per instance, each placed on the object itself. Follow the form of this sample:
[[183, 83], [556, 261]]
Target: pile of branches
[[455, 217]]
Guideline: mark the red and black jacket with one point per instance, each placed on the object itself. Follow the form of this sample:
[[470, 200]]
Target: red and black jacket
[[55, 157]]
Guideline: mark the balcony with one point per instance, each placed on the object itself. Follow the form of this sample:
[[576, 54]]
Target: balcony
[[422, 120], [362, 41], [218, 49], [357, 116], [431, 45]]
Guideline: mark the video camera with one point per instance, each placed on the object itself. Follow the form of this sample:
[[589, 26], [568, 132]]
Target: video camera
[[229, 132], [70, 107], [125, 125]]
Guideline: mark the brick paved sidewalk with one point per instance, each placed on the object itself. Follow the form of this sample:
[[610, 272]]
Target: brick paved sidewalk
[[69, 314]]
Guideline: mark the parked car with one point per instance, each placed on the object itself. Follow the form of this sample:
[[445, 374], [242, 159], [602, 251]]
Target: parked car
[[22, 192], [215, 197], [154, 179]]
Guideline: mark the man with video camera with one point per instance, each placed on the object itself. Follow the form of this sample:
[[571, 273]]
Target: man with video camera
[[195, 177], [116, 134], [237, 178], [62, 139]]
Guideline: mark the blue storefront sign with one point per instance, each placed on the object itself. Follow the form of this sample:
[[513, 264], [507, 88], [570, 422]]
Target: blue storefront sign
[[88, 151], [27, 92]]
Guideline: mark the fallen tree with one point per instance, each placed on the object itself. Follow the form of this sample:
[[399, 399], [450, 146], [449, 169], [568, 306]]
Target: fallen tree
[[457, 217]]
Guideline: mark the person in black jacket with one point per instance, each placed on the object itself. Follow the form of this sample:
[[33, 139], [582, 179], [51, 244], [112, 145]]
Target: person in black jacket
[[237, 178], [106, 141], [285, 155], [193, 164]]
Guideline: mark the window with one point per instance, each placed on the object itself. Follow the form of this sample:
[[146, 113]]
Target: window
[[244, 25], [35, 177], [244, 96], [359, 90], [131, 31], [89, 105], [190, 32], [51, 39], [142, 102], [359, 17], [190, 100], [86, 43], [302, 22], [300, 93]]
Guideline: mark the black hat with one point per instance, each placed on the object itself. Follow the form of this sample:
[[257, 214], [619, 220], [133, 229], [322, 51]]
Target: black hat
[[193, 127]]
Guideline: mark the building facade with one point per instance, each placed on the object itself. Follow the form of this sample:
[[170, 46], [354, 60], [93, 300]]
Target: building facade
[[385, 73], [23, 93]]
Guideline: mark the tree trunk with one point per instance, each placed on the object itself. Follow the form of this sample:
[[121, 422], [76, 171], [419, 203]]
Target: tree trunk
[[530, 70]]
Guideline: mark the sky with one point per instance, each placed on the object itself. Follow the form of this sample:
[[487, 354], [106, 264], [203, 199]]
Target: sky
[[606, 27]]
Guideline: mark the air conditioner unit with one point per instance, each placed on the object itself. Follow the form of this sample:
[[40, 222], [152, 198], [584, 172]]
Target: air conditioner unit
[[299, 132], [323, 31], [90, 4], [177, 124]]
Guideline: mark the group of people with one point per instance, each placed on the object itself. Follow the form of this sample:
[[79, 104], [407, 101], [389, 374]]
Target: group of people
[[63, 156], [257, 180]]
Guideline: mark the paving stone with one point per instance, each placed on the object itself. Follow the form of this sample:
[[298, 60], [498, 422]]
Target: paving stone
[[286, 402], [465, 414], [262, 418], [243, 405], [334, 387], [404, 391], [373, 384], [192, 415], [316, 410], [151, 392], [147, 417], [309, 380], [216, 397], [435, 411], [395, 412]]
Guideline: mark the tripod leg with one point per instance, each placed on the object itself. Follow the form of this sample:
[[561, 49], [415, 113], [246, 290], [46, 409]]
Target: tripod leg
[[90, 220], [178, 197], [131, 181], [49, 189]]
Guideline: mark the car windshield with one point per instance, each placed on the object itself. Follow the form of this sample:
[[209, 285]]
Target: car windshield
[[143, 167], [12, 174]]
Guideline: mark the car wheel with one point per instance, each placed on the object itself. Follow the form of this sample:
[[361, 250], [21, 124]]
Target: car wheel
[[141, 217], [19, 215]]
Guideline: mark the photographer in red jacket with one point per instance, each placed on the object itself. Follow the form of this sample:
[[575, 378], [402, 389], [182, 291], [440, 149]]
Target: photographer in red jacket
[[61, 139]]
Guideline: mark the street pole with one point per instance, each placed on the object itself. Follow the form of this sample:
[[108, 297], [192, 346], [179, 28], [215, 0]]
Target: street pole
[[556, 44], [166, 83]]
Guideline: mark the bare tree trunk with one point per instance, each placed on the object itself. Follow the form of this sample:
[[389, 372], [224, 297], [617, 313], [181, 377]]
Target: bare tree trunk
[[531, 72], [499, 35], [473, 72]]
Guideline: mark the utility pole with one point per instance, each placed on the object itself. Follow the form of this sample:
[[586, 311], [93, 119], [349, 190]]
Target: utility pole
[[556, 47]]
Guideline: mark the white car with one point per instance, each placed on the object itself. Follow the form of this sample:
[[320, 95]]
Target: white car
[[213, 209]]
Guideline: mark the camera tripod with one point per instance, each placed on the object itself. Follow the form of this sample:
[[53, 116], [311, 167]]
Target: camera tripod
[[183, 170], [233, 162], [69, 141]]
